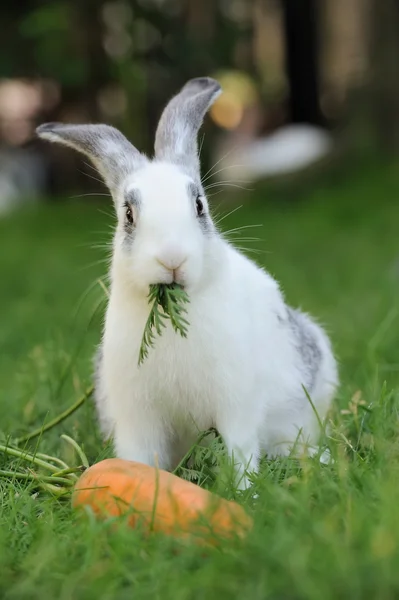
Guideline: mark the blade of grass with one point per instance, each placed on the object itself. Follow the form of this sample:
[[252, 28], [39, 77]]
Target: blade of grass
[[78, 449], [57, 420]]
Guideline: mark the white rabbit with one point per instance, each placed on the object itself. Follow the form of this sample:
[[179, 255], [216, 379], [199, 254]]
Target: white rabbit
[[247, 358]]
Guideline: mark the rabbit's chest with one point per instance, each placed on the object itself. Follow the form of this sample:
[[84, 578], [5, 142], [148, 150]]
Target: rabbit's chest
[[185, 379], [181, 380]]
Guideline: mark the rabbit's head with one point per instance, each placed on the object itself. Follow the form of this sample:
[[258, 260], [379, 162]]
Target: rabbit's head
[[164, 231]]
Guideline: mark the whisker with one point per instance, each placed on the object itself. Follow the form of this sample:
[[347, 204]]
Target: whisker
[[201, 144], [106, 240], [214, 194], [206, 187], [110, 216], [96, 263], [91, 177], [243, 239], [90, 166], [209, 171], [243, 227], [250, 249], [102, 246], [216, 163], [84, 295], [109, 213], [110, 228], [96, 246], [228, 214], [221, 171], [228, 184], [245, 249], [91, 194], [104, 287], [235, 237]]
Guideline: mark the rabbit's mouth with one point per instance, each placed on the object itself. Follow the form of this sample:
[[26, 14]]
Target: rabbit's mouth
[[179, 279], [172, 279], [173, 276]]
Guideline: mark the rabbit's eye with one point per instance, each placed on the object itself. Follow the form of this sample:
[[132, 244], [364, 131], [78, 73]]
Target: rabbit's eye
[[200, 206], [129, 215]]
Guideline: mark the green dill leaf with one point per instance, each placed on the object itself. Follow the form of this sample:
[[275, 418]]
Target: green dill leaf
[[166, 302]]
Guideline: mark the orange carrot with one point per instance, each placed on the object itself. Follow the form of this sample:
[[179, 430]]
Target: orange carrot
[[159, 500]]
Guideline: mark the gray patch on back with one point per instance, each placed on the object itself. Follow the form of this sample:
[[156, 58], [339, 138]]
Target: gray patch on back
[[306, 344]]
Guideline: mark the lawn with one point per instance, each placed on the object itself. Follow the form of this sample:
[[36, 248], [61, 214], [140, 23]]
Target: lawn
[[321, 531]]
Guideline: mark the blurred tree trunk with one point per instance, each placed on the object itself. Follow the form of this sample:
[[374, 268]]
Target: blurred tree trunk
[[384, 57], [96, 59], [200, 20], [301, 44]]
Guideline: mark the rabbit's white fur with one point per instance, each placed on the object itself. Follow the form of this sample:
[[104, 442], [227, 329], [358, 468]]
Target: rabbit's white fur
[[247, 358]]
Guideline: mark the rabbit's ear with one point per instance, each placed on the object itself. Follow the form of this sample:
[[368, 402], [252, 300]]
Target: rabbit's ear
[[109, 150], [176, 136]]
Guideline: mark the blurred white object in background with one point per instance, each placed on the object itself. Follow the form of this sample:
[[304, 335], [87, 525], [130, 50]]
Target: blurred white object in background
[[241, 153], [289, 149]]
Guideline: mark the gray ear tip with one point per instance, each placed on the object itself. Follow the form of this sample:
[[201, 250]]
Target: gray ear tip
[[47, 128], [202, 84]]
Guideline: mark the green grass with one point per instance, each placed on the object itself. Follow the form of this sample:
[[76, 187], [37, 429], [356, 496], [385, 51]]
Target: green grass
[[320, 531]]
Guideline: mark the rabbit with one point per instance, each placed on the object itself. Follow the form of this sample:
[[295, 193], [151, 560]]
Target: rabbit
[[249, 361]]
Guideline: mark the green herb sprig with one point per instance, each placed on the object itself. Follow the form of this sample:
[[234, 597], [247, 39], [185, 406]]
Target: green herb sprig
[[167, 302]]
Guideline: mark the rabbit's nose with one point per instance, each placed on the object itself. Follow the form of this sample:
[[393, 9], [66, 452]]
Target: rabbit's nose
[[171, 255], [172, 263]]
